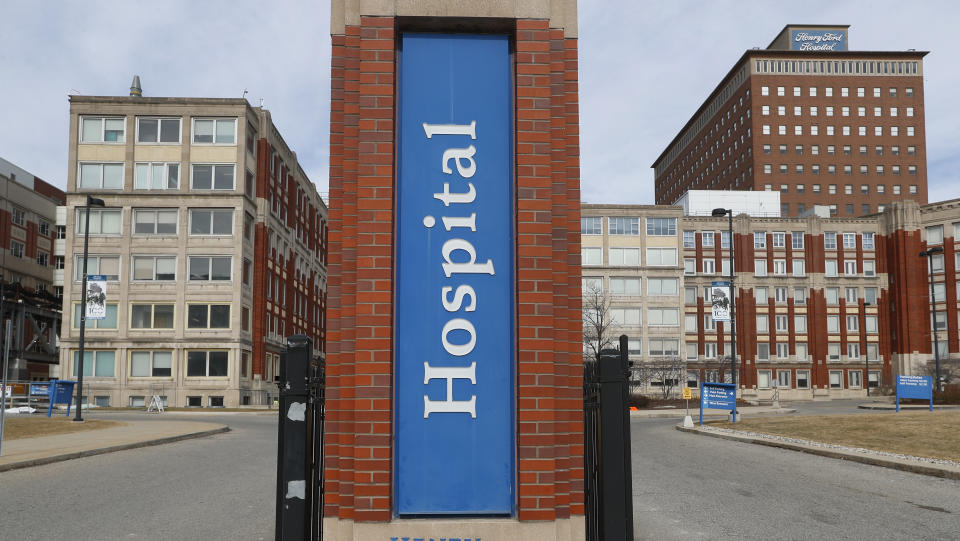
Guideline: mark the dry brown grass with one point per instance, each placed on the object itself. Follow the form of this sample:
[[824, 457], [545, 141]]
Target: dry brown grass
[[33, 427], [918, 433]]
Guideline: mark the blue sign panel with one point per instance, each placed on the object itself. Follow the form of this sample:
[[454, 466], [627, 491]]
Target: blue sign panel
[[721, 396], [818, 40], [915, 387], [454, 317]]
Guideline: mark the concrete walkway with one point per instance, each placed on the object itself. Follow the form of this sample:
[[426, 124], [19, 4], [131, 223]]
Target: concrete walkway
[[881, 406], [679, 413], [133, 433]]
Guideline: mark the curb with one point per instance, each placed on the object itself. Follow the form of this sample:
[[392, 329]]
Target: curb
[[103, 450], [922, 469], [912, 407], [673, 414]]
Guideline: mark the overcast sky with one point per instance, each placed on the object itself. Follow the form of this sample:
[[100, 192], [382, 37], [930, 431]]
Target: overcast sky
[[644, 69]]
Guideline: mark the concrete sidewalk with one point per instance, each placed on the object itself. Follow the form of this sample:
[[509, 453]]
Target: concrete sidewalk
[[133, 433], [679, 413]]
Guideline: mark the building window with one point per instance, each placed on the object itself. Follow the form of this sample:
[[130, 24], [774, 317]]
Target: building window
[[760, 296], [869, 267], [833, 352], [662, 257], [108, 322], [217, 131], [763, 323], [623, 226], [108, 265], [780, 322], [211, 221], [625, 287], [158, 130], [155, 221], [102, 221], [100, 176], [96, 129], [661, 227], [854, 377], [689, 239], [157, 176], [763, 355], [16, 248], [689, 295], [870, 322], [154, 268], [853, 324], [830, 267], [208, 316], [591, 225], [660, 287], [803, 379], [830, 240], [660, 347], [151, 364], [624, 257], [211, 364], [210, 268], [760, 267], [709, 266], [708, 323], [779, 267], [591, 256], [779, 239], [799, 267], [800, 323], [663, 317], [151, 316], [707, 239], [98, 363], [212, 177], [625, 316]]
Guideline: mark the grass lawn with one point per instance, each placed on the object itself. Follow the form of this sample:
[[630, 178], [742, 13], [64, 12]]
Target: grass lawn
[[918, 433], [17, 427]]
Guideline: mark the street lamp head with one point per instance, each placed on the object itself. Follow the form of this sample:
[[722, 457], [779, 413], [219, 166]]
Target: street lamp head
[[95, 202], [931, 251], [720, 212]]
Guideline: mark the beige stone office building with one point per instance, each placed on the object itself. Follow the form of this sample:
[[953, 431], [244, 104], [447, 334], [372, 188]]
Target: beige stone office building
[[212, 241]]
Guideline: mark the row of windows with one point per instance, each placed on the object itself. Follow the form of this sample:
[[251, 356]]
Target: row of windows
[[160, 316], [158, 130], [934, 234], [784, 376], [781, 294], [829, 110], [630, 317], [814, 129], [631, 287], [847, 150], [861, 92], [622, 225], [206, 221], [153, 363], [879, 170], [629, 257], [160, 176], [200, 268]]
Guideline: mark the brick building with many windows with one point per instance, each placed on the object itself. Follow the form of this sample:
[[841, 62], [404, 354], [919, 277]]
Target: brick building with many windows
[[812, 122], [824, 306], [212, 241]]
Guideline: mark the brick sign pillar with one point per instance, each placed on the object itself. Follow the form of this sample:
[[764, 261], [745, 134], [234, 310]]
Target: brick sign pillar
[[368, 492]]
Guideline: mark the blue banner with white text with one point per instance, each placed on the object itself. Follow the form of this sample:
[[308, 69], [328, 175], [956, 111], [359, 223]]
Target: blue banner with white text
[[454, 315]]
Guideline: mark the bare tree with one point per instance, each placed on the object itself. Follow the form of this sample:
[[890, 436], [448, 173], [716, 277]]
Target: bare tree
[[669, 371], [949, 370], [598, 322]]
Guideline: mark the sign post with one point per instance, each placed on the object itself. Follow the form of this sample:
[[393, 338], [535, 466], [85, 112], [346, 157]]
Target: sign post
[[687, 395], [721, 396], [915, 387]]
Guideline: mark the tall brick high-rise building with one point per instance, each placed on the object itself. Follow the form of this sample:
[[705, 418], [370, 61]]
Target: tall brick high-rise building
[[821, 124]]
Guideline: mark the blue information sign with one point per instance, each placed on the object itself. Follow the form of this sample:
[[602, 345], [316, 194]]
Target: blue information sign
[[818, 40], [454, 317], [721, 396], [915, 387]]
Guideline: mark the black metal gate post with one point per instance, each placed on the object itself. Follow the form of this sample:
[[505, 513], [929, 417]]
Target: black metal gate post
[[318, 395], [295, 448]]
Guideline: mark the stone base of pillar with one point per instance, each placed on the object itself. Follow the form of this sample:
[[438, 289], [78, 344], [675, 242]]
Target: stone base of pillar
[[485, 529]]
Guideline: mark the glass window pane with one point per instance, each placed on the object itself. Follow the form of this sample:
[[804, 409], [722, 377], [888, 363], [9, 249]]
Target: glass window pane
[[104, 364], [89, 175], [140, 316], [157, 183], [163, 316], [166, 268], [221, 268], [110, 321], [148, 130], [202, 177], [162, 363], [143, 222], [199, 268], [140, 364], [143, 268], [91, 130], [173, 176], [113, 176], [170, 130], [197, 316], [223, 177], [223, 222], [200, 222], [225, 131], [196, 363], [142, 180], [166, 222], [218, 363], [219, 316], [109, 223], [203, 131], [113, 129]]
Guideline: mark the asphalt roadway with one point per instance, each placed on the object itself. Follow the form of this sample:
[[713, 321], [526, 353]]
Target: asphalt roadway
[[685, 487]]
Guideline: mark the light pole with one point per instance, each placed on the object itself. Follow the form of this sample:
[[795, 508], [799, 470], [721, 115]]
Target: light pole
[[718, 212], [933, 309], [91, 202]]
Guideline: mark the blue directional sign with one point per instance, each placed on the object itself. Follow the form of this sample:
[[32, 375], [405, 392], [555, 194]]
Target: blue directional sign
[[915, 387], [454, 319], [721, 396]]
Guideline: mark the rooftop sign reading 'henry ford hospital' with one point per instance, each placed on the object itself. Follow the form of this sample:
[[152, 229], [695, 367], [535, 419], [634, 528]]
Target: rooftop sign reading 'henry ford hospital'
[[818, 40], [455, 285]]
